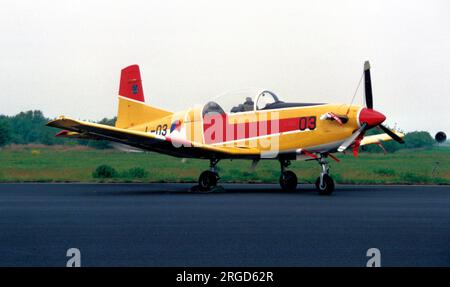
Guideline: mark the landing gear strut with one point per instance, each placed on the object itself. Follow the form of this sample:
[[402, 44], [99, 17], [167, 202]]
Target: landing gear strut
[[324, 183], [208, 179], [288, 179]]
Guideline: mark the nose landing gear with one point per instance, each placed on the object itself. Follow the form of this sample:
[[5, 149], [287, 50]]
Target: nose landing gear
[[324, 183]]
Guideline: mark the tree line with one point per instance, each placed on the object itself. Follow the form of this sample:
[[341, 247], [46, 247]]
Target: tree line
[[29, 128]]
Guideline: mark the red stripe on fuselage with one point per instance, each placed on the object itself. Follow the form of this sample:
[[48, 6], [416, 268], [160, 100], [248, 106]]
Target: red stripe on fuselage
[[216, 128]]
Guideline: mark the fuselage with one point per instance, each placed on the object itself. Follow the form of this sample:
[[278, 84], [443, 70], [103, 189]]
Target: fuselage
[[279, 131]]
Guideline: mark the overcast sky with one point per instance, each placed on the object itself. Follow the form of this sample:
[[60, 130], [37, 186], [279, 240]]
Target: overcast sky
[[64, 57]]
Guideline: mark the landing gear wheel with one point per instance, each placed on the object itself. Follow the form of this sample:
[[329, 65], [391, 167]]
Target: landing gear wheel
[[207, 180], [327, 186], [288, 181]]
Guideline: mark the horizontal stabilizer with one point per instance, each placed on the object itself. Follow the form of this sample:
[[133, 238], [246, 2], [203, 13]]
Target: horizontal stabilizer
[[76, 135]]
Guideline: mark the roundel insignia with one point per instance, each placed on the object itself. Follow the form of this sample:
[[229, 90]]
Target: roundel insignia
[[176, 125]]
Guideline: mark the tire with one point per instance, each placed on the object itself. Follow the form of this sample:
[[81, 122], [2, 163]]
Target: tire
[[288, 181], [328, 185], [207, 180]]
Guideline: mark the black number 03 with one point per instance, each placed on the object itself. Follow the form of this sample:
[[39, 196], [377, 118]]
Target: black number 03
[[161, 130]]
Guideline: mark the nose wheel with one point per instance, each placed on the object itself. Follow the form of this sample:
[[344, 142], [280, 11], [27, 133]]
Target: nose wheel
[[208, 179], [288, 179], [324, 183]]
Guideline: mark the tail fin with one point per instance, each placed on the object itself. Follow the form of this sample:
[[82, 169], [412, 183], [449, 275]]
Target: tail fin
[[132, 109], [131, 84]]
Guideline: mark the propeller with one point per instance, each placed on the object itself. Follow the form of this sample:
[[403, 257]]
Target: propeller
[[391, 134], [369, 101], [368, 86], [368, 117], [349, 141]]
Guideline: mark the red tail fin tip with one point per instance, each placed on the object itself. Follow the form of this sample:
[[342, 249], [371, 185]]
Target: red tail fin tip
[[131, 84]]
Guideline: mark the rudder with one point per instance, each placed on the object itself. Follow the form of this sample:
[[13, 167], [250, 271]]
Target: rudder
[[131, 84], [132, 110]]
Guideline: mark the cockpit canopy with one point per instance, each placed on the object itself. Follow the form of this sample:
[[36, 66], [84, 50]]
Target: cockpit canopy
[[263, 100], [248, 100], [241, 101]]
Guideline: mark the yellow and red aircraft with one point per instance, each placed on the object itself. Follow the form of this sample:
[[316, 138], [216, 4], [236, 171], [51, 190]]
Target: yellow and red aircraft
[[263, 127]]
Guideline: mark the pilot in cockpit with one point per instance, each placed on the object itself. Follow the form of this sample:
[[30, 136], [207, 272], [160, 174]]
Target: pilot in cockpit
[[247, 106]]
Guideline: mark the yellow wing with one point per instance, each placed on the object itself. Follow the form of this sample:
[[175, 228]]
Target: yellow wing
[[146, 141], [376, 139]]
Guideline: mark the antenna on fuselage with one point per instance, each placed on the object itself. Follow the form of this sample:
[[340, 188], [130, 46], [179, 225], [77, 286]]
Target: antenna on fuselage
[[354, 95]]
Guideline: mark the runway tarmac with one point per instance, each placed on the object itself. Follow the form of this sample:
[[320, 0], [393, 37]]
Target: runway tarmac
[[247, 225]]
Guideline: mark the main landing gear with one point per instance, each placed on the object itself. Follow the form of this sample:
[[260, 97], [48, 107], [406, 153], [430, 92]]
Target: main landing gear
[[324, 183], [208, 179], [288, 179]]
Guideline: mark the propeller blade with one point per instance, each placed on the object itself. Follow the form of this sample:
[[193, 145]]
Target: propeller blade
[[392, 134], [348, 142], [368, 85]]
